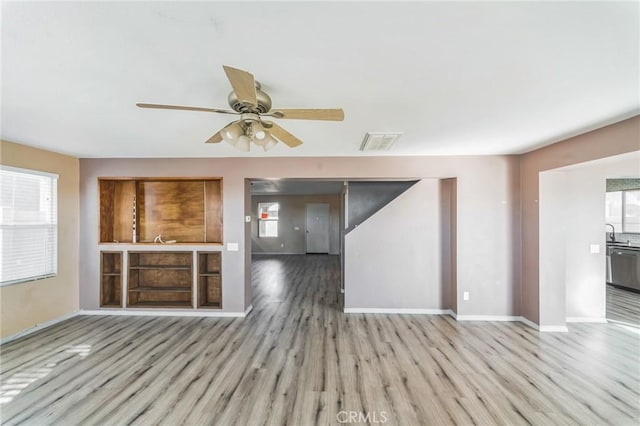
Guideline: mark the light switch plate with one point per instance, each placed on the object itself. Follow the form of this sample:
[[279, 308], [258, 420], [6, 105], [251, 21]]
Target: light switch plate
[[232, 246], [247, 219], [595, 248], [465, 295]]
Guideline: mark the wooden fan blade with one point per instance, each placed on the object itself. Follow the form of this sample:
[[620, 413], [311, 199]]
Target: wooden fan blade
[[243, 83], [217, 138], [185, 108], [308, 114], [283, 135]]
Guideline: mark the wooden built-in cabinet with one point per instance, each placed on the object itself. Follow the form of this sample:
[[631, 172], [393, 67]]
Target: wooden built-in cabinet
[[160, 211], [209, 280], [160, 279], [178, 210], [111, 279]]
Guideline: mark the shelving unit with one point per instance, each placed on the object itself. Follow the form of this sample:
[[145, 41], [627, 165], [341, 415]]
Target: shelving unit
[[209, 280], [184, 210], [160, 279], [111, 279]]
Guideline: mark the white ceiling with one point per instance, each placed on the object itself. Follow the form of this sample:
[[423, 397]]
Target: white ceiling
[[455, 77]]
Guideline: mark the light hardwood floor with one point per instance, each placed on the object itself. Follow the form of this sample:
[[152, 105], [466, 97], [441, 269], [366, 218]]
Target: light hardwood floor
[[298, 360]]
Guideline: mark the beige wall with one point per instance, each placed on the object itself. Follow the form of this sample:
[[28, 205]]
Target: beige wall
[[393, 260], [25, 305], [487, 206], [608, 141]]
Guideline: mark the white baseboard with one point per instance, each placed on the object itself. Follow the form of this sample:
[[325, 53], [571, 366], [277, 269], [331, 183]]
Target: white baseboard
[[404, 311], [508, 318], [505, 318], [553, 329], [529, 323], [249, 309], [161, 313], [598, 320], [275, 253], [37, 327], [286, 253]]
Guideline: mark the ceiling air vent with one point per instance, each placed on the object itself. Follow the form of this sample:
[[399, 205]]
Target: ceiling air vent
[[379, 141]]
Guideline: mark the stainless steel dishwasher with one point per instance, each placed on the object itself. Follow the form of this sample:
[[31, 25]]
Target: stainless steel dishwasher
[[625, 267]]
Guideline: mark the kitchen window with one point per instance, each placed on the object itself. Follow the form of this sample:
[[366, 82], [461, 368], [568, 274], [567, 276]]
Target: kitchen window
[[268, 220], [623, 210], [28, 225]]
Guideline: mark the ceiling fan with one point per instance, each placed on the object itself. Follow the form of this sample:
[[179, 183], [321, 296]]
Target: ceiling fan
[[252, 104]]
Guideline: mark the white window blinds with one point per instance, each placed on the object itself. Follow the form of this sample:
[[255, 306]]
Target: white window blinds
[[28, 225], [268, 214]]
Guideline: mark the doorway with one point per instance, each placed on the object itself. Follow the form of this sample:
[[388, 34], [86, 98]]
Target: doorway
[[294, 234], [317, 220]]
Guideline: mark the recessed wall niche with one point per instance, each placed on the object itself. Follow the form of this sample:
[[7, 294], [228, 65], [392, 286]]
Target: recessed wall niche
[[148, 210]]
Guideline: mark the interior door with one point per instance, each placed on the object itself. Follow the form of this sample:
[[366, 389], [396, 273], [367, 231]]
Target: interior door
[[317, 221]]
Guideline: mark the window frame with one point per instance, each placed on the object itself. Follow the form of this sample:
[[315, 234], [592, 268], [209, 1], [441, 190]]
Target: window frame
[[266, 220], [624, 211], [49, 223], [622, 220]]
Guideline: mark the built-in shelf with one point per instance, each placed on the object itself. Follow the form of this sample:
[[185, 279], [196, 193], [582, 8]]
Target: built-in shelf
[[209, 280], [111, 279], [160, 267], [160, 279], [163, 212]]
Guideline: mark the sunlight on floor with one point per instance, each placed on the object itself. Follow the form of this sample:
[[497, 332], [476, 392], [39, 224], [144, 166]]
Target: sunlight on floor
[[19, 381], [626, 326], [273, 287]]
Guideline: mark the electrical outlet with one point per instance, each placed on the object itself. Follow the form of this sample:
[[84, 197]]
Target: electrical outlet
[[594, 248], [465, 295]]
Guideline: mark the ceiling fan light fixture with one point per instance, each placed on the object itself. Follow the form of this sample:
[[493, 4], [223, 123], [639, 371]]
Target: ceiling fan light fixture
[[243, 143], [252, 104], [232, 133], [271, 143], [259, 135]]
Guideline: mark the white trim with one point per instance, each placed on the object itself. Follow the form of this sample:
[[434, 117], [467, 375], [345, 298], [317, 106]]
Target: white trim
[[29, 171], [37, 327], [553, 329], [488, 318], [286, 253], [275, 253], [161, 313], [405, 311], [529, 323], [599, 320], [454, 315], [249, 309]]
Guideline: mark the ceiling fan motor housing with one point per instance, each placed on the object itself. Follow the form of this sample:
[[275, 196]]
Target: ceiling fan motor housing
[[264, 102]]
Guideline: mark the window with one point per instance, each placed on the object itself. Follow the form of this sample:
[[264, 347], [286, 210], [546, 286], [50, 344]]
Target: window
[[268, 219], [623, 210], [28, 225]]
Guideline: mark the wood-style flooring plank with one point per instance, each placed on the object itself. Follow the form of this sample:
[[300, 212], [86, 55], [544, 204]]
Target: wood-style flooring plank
[[298, 360]]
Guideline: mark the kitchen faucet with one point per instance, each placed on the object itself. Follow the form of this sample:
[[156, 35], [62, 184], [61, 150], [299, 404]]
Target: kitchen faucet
[[613, 233]]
